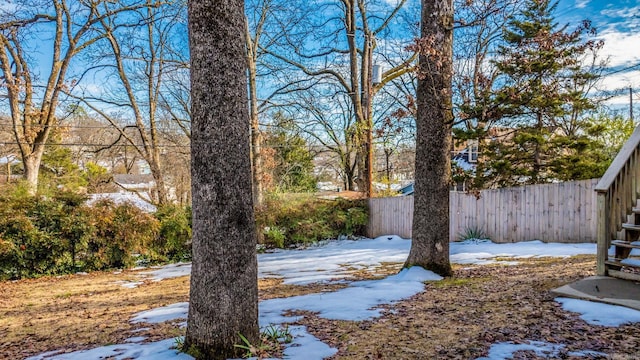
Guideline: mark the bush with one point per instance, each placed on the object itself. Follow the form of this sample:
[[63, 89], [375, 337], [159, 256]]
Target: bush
[[287, 220], [174, 239], [29, 246], [120, 232], [60, 234]]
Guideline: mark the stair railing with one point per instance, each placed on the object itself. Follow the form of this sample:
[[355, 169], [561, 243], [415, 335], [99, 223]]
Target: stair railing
[[617, 192]]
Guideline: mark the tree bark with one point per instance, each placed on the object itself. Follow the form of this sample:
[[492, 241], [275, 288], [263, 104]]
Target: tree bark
[[223, 295], [430, 243], [31, 164]]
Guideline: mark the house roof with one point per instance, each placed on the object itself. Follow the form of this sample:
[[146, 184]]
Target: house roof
[[461, 159]]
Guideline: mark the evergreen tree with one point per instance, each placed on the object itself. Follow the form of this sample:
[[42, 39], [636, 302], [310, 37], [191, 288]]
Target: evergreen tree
[[540, 101], [292, 162]]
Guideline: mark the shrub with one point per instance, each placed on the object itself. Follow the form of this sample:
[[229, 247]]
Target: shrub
[[274, 235], [60, 234], [174, 238], [472, 233], [28, 251], [120, 231], [28, 231], [286, 219]]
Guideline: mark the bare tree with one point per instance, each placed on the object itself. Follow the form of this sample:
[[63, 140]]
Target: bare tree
[[266, 22], [224, 292], [138, 58], [325, 114], [32, 99], [319, 50], [430, 243]]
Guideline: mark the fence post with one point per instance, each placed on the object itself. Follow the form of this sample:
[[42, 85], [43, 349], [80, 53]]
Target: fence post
[[602, 233]]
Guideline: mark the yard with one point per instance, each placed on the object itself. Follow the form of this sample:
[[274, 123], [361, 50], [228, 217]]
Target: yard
[[497, 303]]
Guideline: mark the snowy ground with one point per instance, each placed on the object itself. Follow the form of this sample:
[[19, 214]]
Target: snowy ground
[[335, 260], [124, 197], [360, 300]]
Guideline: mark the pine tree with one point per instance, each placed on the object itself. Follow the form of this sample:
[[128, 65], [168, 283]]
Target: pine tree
[[540, 99], [290, 160]]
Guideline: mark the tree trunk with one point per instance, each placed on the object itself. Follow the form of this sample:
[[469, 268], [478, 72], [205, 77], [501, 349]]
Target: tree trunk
[[223, 295], [256, 136], [161, 196], [365, 169], [31, 164], [430, 244]]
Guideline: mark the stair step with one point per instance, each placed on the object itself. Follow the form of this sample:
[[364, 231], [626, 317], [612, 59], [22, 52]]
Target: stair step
[[633, 227], [624, 275], [626, 244], [635, 210], [633, 263]]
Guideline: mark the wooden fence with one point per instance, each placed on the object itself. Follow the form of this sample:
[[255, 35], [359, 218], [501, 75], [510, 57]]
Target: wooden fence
[[562, 212]]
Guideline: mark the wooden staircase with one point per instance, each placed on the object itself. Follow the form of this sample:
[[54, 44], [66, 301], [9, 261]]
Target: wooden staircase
[[618, 213], [621, 264]]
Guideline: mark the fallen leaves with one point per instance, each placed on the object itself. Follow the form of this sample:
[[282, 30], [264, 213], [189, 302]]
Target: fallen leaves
[[456, 318]]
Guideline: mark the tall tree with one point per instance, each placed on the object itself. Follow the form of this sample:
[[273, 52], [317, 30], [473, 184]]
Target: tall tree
[[336, 41], [329, 125], [430, 243], [33, 105], [224, 293], [292, 159], [541, 97], [139, 58], [265, 24]]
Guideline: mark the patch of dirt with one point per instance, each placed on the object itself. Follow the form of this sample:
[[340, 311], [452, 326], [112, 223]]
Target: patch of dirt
[[457, 318]]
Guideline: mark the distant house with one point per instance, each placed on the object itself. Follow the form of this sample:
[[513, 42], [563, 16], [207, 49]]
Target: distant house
[[406, 190], [465, 159]]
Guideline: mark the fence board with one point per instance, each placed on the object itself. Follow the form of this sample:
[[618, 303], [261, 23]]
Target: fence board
[[563, 212]]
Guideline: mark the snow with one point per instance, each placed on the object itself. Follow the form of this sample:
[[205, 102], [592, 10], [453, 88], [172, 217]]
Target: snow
[[129, 284], [631, 262], [332, 259], [481, 252], [162, 314], [168, 271], [360, 300], [160, 350], [336, 260], [506, 350], [136, 339], [306, 346], [121, 198], [595, 313]]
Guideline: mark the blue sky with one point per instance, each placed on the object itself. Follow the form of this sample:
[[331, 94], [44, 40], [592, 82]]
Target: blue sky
[[618, 24]]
